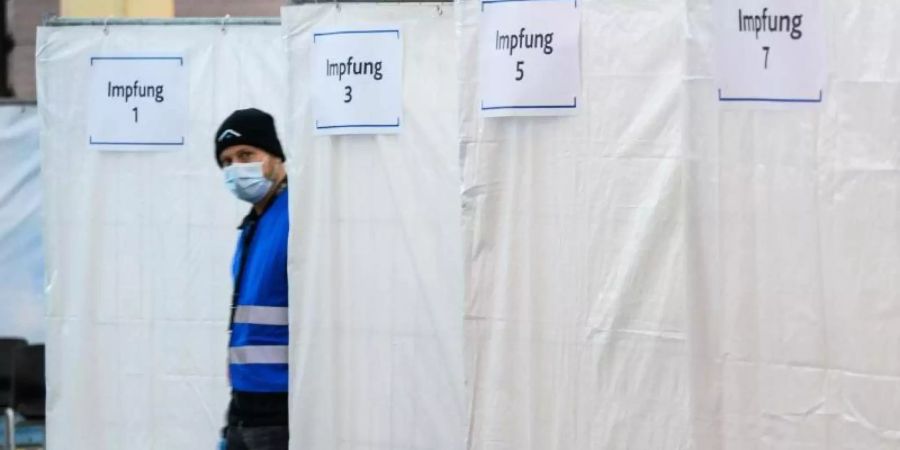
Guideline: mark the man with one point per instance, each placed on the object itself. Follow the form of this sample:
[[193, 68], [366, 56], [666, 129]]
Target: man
[[248, 151]]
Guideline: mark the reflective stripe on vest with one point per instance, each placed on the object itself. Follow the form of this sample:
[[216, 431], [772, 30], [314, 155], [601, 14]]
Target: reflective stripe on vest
[[261, 315], [259, 354]]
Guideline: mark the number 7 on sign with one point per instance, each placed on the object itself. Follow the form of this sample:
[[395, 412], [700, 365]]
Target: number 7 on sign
[[766, 61]]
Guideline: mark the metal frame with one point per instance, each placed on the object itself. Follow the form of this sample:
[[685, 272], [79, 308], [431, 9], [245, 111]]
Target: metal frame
[[17, 102], [313, 2], [54, 21], [119, 21]]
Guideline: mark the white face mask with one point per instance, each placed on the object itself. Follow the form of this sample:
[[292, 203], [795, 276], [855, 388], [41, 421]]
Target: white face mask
[[247, 182]]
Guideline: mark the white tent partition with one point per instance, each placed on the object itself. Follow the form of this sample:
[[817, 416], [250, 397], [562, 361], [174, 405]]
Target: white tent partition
[[575, 247], [795, 241], [656, 272], [663, 272], [21, 255], [376, 260], [139, 244]]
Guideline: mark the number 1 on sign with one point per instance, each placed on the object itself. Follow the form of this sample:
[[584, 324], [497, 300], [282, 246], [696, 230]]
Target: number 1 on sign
[[135, 113], [766, 62]]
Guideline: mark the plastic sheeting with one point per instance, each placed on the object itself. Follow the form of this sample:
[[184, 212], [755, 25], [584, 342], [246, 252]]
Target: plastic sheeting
[[139, 244], [21, 255], [376, 264], [575, 247], [794, 227], [663, 272], [658, 272]]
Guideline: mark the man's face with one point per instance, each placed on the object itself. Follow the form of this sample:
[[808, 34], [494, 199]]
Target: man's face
[[249, 154]]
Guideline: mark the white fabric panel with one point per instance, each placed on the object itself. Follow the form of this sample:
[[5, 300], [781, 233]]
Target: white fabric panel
[[22, 302], [575, 247], [665, 272], [139, 245], [795, 225], [376, 265]]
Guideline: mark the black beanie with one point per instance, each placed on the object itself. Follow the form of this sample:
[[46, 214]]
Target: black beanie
[[249, 127]]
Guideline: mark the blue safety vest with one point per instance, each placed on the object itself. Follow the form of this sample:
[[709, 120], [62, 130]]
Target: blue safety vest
[[258, 348]]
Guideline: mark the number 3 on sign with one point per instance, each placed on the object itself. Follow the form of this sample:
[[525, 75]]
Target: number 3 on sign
[[348, 94]]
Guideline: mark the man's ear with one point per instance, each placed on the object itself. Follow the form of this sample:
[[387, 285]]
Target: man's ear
[[272, 163], [278, 167]]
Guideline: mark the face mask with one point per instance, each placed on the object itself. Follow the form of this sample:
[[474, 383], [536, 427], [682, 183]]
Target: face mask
[[246, 181]]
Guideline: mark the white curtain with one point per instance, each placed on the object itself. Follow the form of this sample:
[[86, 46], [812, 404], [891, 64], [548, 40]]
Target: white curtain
[[576, 247], [794, 234], [22, 302], [376, 265], [658, 272], [139, 244], [664, 272]]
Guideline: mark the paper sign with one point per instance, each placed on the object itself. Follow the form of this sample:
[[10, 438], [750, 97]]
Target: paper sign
[[770, 51], [529, 57], [357, 81], [137, 102]]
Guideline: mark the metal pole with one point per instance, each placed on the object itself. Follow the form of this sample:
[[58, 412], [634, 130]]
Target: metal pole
[[10, 417]]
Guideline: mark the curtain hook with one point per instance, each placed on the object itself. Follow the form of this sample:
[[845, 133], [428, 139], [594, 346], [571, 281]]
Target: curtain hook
[[337, 5], [106, 25], [224, 21], [440, 9]]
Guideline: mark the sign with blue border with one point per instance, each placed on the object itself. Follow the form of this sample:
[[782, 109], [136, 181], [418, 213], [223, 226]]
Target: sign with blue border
[[357, 81], [529, 60], [770, 52], [137, 102]]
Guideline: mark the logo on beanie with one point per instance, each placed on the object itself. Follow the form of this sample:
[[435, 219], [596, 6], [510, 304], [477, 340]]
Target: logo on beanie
[[227, 134]]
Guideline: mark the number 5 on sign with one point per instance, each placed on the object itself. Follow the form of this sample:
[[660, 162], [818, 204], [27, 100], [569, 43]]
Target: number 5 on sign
[[357, 81], [528, 57]]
